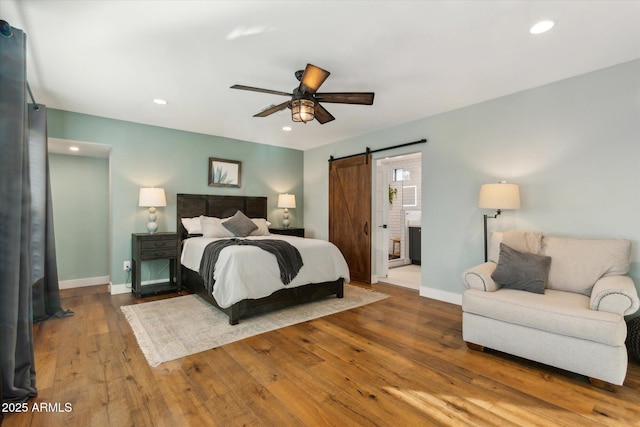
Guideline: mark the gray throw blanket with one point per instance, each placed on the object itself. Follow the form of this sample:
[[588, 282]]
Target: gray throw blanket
[[288, 257]]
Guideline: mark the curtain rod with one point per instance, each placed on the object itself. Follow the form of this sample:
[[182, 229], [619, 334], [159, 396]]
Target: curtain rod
[[35, 104], [6, 31], [369, 151]]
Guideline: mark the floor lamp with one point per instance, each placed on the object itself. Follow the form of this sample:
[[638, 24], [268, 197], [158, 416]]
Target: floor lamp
[[497, 196]]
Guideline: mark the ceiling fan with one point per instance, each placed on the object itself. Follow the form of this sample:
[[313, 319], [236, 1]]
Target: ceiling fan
[[305, 101]]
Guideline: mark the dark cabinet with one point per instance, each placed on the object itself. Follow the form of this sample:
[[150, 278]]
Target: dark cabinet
[[147, 247], [414, 244], [291, 231]]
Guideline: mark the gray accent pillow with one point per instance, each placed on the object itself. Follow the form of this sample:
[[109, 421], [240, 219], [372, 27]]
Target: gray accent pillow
[[521, 270], [240, 225]]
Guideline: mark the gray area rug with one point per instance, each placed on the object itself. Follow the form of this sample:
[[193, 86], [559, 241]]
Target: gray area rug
[[176, 327]]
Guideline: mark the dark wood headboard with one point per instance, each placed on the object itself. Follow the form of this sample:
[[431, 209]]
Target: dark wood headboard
[[192, 205]]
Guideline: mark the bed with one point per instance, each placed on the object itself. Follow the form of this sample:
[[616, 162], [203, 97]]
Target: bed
[[252, 286]]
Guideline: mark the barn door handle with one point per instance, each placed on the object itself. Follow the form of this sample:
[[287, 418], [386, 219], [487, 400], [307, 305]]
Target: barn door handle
[[366, 228]]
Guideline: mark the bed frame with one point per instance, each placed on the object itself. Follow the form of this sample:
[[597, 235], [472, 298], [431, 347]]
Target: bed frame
[[192, 205]]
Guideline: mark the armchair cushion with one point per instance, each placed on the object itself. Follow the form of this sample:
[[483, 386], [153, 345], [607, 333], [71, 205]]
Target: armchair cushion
[[579, 263], [521, 271], [558, 312]]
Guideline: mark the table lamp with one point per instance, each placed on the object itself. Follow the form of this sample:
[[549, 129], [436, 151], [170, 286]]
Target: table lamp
[[286, 201], [152, 197]]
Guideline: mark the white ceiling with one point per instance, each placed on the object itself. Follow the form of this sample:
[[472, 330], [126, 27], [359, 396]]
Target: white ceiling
[[111, 58]]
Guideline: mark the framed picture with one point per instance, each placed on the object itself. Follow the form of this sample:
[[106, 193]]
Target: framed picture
[[224, 173]]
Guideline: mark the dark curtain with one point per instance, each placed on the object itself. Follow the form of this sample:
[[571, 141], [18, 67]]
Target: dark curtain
[[16, 354], [27, 254], [46, 292]]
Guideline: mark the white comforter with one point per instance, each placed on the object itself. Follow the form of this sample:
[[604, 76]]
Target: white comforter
[[243, 272]]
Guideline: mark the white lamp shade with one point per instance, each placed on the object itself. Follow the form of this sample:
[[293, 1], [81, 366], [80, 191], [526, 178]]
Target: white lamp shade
[[287, 201], [499, 196], [152, 197]]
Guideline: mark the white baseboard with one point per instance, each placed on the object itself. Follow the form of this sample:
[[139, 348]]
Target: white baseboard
[[436, 294], [441, 295], [119, 289], [81, 283]]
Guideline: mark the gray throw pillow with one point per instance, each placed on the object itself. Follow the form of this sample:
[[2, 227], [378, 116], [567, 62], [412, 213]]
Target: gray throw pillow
[[521, 270], [240, 225]]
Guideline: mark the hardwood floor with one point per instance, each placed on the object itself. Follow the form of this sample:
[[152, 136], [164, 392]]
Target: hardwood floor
[[400, 362]]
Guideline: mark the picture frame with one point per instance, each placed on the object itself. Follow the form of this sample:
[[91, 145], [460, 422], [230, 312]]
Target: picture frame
[[224, 173]]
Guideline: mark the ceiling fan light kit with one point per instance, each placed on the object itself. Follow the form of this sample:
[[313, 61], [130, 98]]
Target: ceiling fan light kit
[[302, 110], [305, 102]]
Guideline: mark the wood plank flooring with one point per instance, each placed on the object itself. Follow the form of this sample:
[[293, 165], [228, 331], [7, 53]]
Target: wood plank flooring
[[396, 362]]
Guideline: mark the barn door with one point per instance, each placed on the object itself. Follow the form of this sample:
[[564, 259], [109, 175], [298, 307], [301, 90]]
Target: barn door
[[350, 213]]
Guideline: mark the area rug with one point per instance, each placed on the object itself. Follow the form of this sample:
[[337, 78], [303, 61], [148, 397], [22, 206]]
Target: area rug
[[176, 327]]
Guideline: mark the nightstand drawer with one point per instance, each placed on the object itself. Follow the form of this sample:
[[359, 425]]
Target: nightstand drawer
[[146, 245], [158, 253]]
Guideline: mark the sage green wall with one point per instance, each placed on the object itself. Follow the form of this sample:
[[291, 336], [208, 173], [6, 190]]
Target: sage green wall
[[573, 146], [143, 155], [80, 193]]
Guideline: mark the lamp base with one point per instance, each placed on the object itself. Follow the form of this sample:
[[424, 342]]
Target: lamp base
[[152, 226], [285, 218]]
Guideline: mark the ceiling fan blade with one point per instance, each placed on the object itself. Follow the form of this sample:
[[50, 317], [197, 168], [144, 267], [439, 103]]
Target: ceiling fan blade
[[322, 115], [312, 79], [272, 110], [365, 98], [257, 89]]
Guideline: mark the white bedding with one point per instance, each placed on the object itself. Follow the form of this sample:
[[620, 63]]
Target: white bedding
[[243, 272]]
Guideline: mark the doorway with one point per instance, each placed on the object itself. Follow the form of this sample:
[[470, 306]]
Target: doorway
[[399, 219], [81, 205]]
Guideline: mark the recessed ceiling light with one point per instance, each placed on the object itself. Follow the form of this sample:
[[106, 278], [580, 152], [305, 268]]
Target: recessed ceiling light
[[74, 148], [286, 128], [542, 27], [160, 101]]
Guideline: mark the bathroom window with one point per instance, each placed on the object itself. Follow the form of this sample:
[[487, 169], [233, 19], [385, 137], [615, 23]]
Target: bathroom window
[[399, 174]]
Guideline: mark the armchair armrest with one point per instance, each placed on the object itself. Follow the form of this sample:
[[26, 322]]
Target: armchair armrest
[[615, 294], [479, 277]]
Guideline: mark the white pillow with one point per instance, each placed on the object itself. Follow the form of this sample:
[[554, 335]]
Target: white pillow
[[263, 227], [192, 225], [212, 227]]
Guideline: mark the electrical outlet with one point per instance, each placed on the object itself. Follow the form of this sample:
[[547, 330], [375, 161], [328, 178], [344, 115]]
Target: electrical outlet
[[127, 266]]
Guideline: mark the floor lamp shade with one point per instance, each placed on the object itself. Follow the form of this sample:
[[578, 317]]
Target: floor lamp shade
[[497, 196], [286, 201], [152, 197]]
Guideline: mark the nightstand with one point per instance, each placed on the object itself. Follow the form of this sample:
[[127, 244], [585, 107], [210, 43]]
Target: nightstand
[[148, 247], [291, 231]]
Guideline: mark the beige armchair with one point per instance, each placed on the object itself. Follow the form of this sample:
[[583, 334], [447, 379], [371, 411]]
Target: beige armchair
[[577, 322]]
